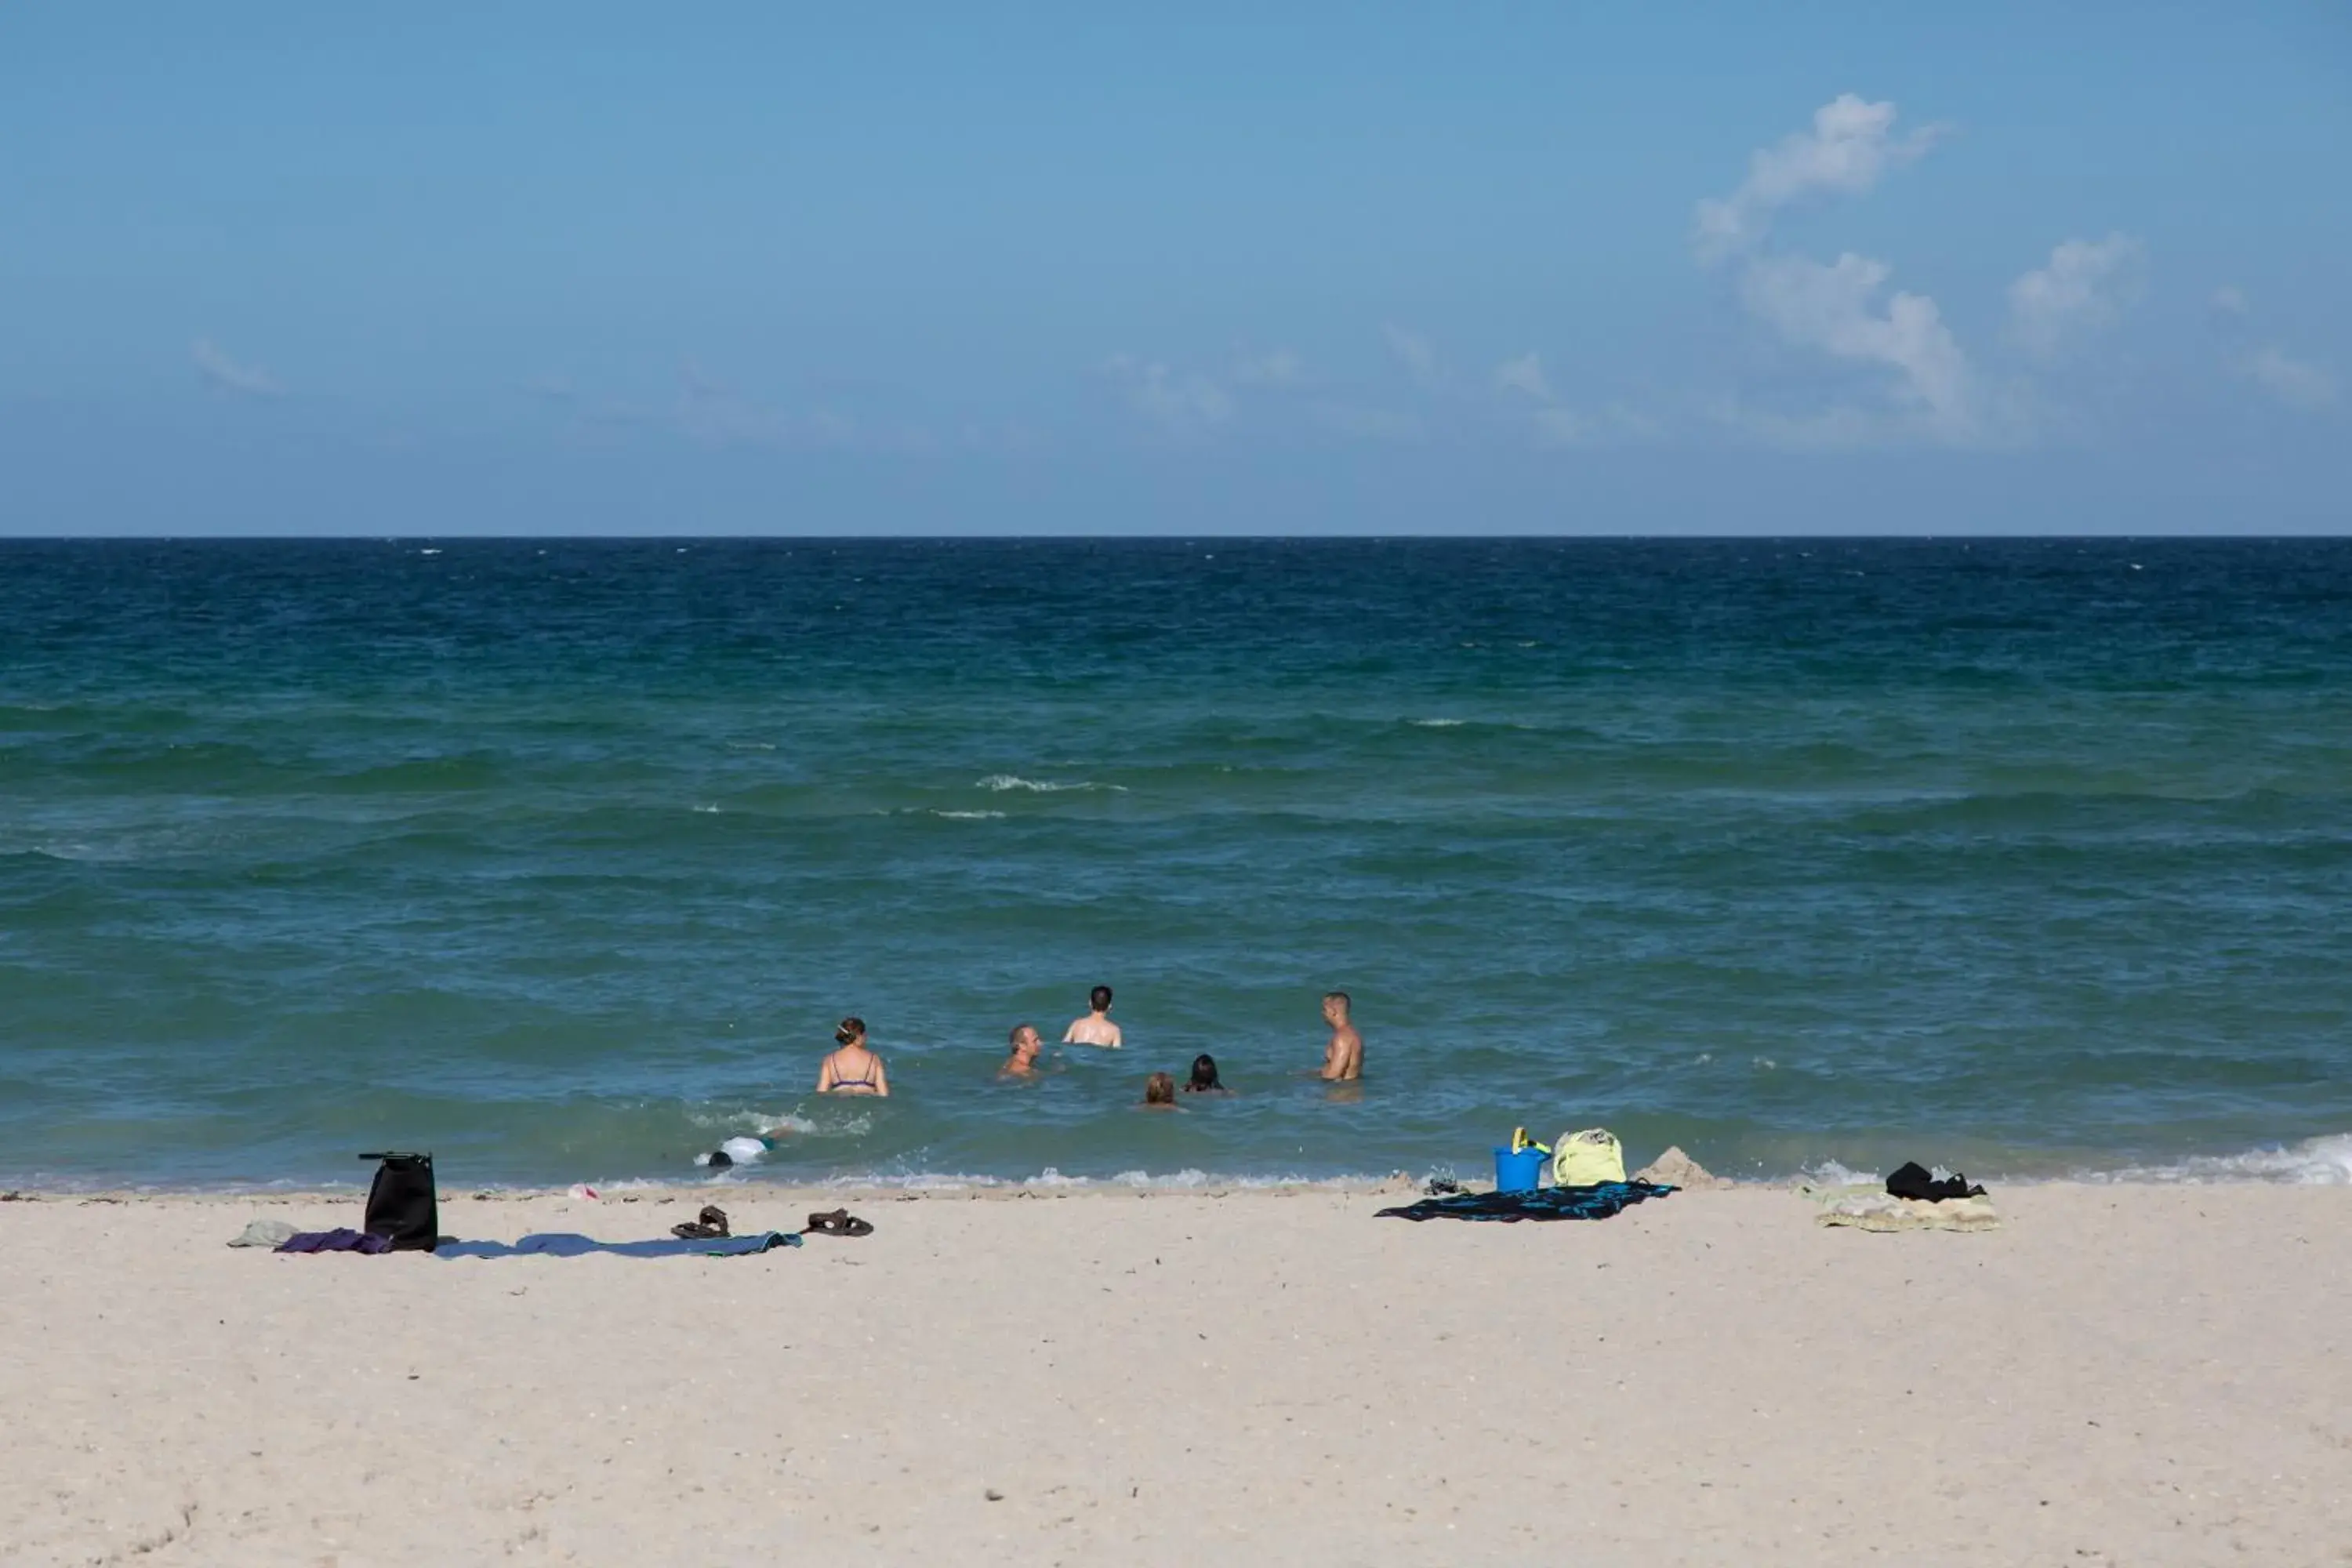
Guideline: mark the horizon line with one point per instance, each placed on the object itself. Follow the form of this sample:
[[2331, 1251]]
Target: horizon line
[[1630, 538]]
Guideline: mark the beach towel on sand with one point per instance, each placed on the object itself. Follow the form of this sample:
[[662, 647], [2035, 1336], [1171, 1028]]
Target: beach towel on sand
[[1597, 1202], [1868, 1208], [567, 1243], [340, 1239]]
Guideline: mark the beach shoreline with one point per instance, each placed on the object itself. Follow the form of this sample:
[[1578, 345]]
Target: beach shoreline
[[2120, 1374]]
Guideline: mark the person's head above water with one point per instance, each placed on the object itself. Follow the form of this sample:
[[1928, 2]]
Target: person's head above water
[[1100, 999], [1204, 1074], [1335, 1006], [1028, 1045], [1160, 1089], [850, 1031]]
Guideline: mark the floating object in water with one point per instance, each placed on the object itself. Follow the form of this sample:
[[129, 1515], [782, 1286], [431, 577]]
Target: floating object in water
[[734, 1152]]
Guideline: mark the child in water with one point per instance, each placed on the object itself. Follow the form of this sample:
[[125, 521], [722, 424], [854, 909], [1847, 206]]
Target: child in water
[[1160, 1093]]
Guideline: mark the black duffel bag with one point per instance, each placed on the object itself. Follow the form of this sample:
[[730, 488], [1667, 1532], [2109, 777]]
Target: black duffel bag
[[402, 1206]]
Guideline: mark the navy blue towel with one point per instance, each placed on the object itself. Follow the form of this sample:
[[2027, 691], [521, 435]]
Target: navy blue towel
[[1545, 1202], [341, 1240], [565, 1244]]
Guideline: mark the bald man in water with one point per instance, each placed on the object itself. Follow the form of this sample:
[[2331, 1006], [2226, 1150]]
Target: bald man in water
[[1343, 1058]]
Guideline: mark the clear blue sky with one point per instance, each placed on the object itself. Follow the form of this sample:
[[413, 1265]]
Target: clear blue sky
[[1329, 268]]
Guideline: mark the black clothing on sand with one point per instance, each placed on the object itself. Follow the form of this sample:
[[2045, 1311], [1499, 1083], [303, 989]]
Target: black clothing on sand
[[1911, 1179]]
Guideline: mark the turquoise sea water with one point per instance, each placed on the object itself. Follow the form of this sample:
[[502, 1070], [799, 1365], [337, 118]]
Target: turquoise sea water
[[561, 858]]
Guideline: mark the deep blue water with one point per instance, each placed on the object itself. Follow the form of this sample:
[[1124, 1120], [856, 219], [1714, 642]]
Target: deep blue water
[[562, 857]]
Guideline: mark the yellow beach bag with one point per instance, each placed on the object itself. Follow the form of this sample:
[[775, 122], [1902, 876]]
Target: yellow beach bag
[[1586, 1159]]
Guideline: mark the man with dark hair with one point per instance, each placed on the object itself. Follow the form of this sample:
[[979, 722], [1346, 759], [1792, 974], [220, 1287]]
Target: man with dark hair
[[1096, 1028], [1343, 1058]]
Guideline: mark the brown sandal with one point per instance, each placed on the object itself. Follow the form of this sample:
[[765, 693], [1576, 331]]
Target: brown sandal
[[710, 1225], [840, 1222]]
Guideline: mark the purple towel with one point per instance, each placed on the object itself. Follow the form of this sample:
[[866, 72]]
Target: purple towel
[[335, 1241]]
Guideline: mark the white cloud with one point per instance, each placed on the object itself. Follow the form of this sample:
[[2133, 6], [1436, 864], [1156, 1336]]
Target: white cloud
[[1282, 367], [1180, 404], [2085, 288], [2296, 383], [1850, 147], [1416, 353], [1523, 375], [1840, 308], [1836, 309], [1554, 423], [223, 373]]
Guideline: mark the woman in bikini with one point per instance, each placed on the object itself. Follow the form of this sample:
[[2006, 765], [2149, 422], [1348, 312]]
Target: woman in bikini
[[853, 1069]]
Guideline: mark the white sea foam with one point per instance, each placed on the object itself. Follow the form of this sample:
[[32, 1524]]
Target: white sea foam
[[757, 1121], [1436, 723], [999, 783], [705, 811], [969, 816], [2316, 1162]]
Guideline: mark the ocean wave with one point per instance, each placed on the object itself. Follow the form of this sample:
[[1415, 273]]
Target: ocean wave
[[969, 816], [2323, 1162], [1834, 1173], [735, 1122], [2316, 1162], [999, 783], [1437, 723]]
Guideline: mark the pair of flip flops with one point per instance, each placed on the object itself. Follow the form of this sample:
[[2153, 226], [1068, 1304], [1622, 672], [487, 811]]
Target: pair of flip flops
[[839, 1222], [710, 1225]]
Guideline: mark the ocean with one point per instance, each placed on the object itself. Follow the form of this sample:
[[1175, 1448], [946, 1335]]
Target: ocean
[[560, 858]]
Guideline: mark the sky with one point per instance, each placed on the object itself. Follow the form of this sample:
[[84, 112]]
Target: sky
[[588, 269]]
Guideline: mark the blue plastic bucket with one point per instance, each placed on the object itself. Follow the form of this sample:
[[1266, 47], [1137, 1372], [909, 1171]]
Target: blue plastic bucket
[[1519, 1172]]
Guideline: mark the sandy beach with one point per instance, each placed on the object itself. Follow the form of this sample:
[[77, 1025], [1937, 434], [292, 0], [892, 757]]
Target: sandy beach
[[2120, 1376]]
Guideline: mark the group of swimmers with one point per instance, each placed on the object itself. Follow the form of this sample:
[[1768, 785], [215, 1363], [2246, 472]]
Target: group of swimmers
[[853, 1068]]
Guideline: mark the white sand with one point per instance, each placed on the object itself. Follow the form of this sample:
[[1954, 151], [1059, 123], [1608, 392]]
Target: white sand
[[2122, 1375]]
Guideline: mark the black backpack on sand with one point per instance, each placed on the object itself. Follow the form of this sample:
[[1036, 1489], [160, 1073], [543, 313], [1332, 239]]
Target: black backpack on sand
[[402, 1206]]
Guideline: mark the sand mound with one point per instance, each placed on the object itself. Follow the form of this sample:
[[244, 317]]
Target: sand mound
[[1676, 1169]]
